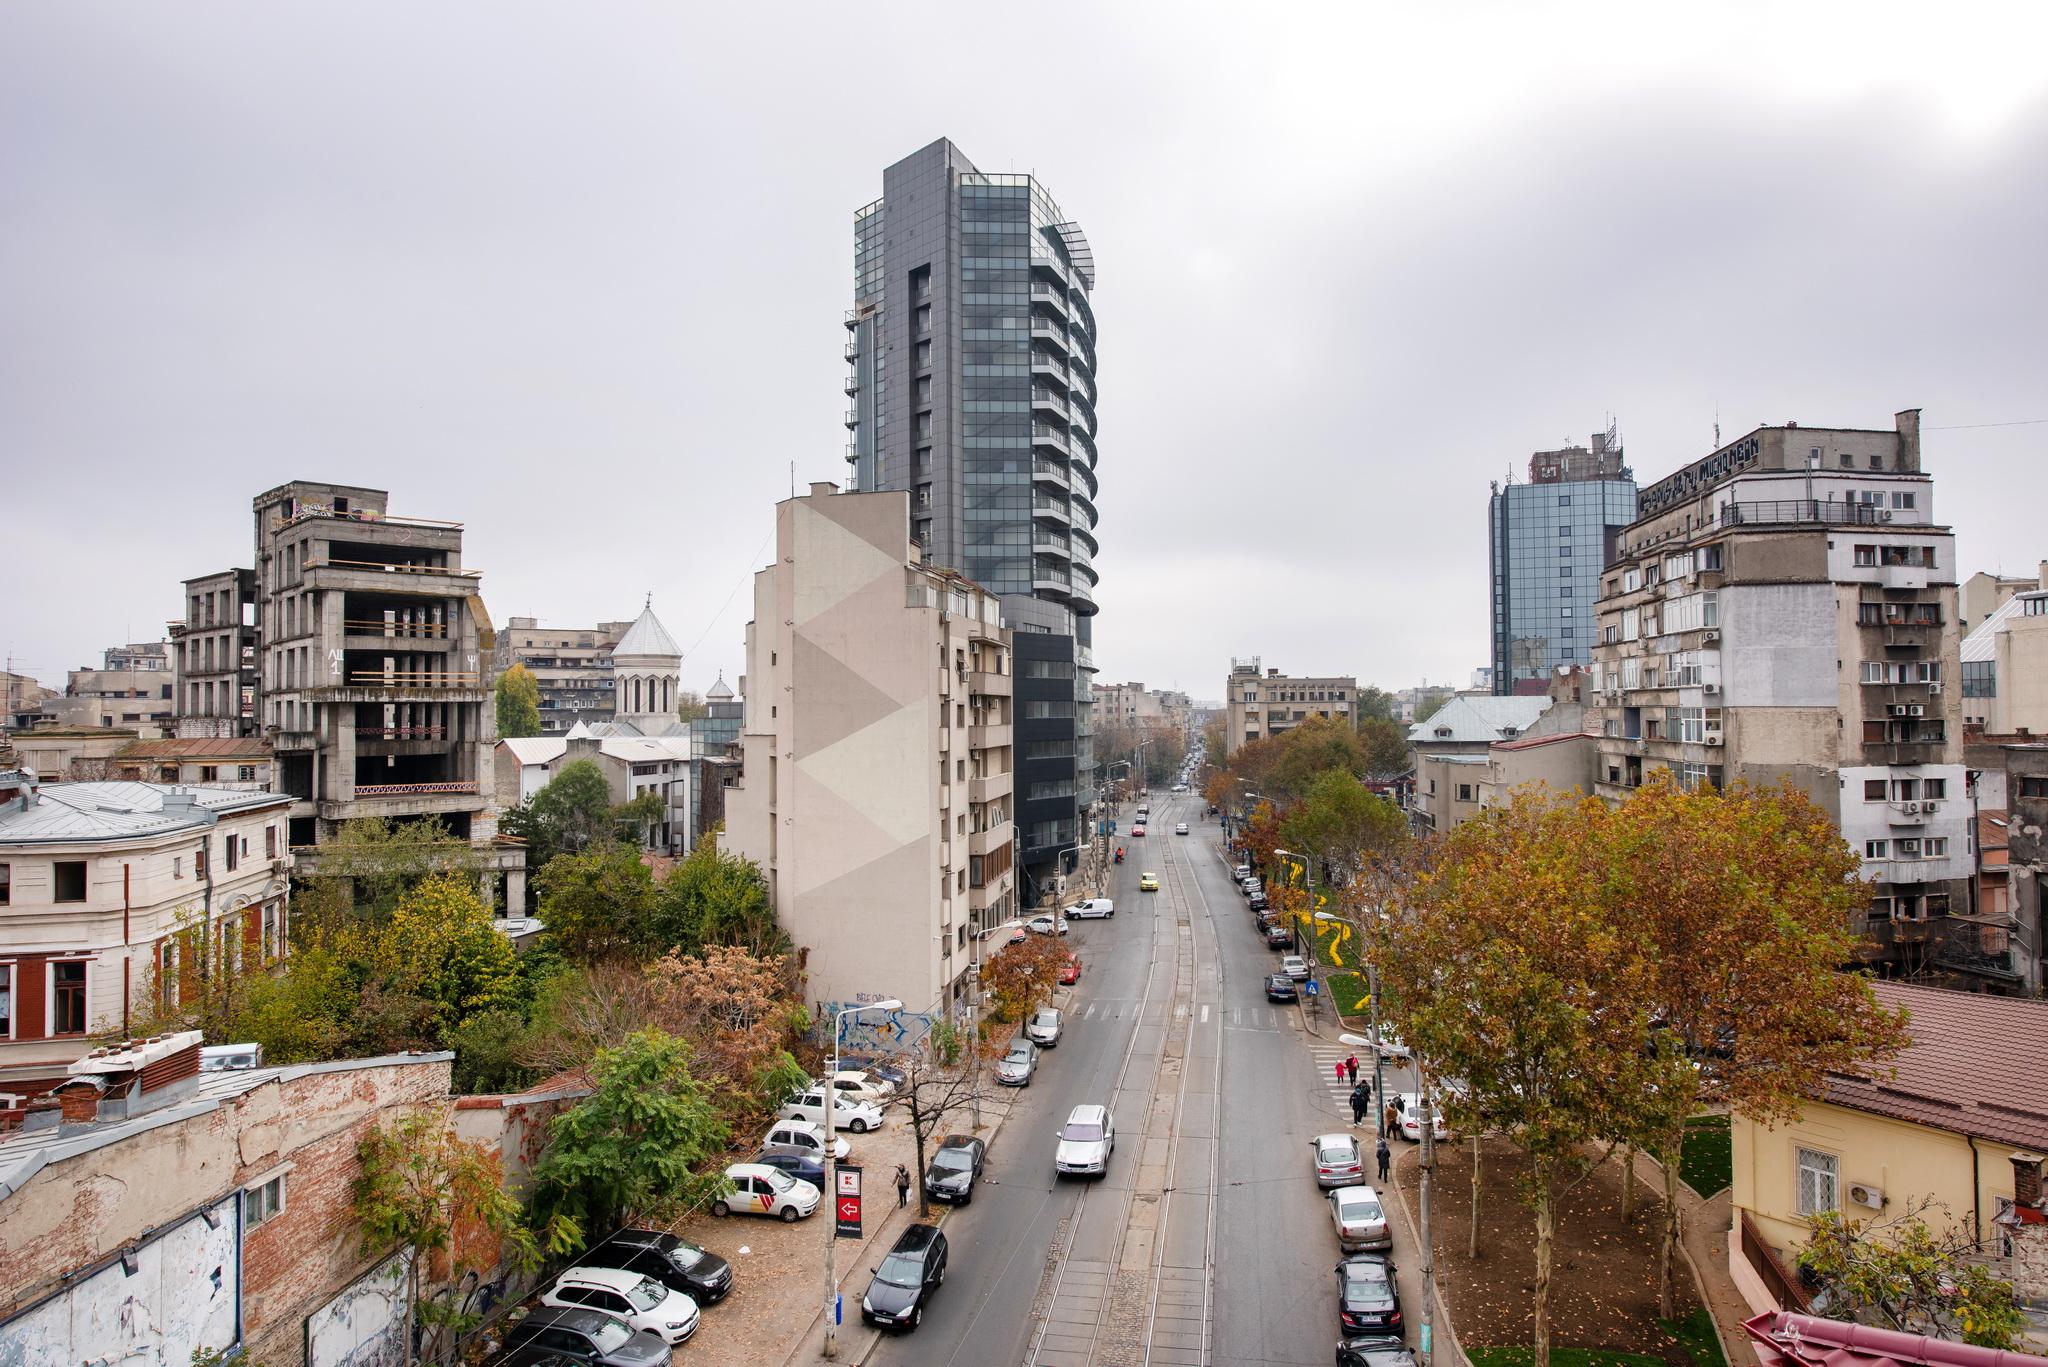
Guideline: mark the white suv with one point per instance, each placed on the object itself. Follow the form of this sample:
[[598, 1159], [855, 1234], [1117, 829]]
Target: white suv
[[634, 1297], [849, 1114], [1086, 1141]]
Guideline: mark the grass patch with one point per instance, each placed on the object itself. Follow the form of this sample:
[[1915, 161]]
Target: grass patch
[[1695, 1333], [1706, 1160], [1561, 1357], [1347, 992]]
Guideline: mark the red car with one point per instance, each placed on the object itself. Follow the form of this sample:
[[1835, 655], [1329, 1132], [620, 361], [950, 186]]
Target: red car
[[1070, 973], [1138, 829]]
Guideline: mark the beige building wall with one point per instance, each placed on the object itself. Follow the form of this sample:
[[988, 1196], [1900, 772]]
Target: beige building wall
[[1564, 765], [878, 757], [1261, 705], [2021, 703]]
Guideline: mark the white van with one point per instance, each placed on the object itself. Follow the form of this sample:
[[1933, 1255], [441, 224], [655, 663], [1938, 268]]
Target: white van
[[1093, 908]]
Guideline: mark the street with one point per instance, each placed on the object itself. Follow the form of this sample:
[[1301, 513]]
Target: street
[[1146, 1266]]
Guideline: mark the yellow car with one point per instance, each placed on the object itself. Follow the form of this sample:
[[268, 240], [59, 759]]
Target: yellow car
[[1148, 882]]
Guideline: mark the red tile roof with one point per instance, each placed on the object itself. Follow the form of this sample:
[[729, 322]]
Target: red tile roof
[[209, 747], [1787, 1340], [1975, 1066]]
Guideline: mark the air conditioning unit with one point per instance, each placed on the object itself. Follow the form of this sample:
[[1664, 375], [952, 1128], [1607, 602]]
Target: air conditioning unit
[[1934, 689], [1884, 515], [1930, 807], [1862, 1193], [1916, 710], [1911, 808], [1713, 738], [1709, 636]]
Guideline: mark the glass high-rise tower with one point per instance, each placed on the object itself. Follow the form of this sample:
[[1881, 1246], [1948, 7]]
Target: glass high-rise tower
[[971, 384], [1548, 542]]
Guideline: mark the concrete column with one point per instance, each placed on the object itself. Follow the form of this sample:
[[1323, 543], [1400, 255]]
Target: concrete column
[[515, 892]]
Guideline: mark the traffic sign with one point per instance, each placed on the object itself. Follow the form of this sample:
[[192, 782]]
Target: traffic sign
[[1314, 988], [846, 1206]]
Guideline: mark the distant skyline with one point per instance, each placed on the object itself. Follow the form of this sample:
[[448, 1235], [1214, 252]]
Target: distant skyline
[[574, 276]]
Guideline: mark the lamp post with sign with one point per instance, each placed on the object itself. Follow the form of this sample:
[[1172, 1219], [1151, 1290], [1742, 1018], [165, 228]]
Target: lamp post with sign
[[831, 1100]]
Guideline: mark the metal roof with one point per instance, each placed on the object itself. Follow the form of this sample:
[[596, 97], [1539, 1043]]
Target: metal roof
[[1982, 644], [73, 813], [647, 637], [1478, 719]]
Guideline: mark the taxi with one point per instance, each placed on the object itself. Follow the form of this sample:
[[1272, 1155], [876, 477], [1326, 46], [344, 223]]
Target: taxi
[[1148, 881]]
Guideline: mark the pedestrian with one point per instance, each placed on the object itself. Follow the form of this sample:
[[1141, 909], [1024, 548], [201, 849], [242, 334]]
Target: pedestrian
[[1351, 1067], [1360, 1099], [1386, 1157], [1393, 1117], [1340, 1073], [902, 1186]]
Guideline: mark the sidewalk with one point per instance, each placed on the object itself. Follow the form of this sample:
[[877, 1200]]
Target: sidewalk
[[1703, 1243]]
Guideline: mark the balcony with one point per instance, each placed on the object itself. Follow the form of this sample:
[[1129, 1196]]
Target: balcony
[[1957, 953], [309, 512], [852, 385], [1051, 578], [1051, 265], [1050, 543], [853, 417], [458, 786], [1050, 296], [989, 787], [1043, 396], [1046, 436], [853, 351], [983, 682], [987, 842], [989, 737], [1084, 474], [378, 686], [1905, 637], [1045, 363], [1053, 472], [369, 576], [1081, 597], [1053, 510], [1767, 512]]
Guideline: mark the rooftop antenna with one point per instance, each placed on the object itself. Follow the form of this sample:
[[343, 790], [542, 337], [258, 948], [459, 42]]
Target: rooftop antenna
[[1717, 427]]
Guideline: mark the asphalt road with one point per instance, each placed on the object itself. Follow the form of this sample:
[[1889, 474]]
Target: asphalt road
[[1004, 1242], [1245, 1279]]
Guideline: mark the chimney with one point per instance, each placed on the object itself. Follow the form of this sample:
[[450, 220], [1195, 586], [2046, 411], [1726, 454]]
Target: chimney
[[79, 1100], [822, 488], [1907, 420], [2026, 1179]]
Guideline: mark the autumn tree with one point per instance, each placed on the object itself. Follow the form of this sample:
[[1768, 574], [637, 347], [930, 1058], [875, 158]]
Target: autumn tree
[[1341, 823], [1739, 900], [740, 1014], [1374, 704], [1020, 977], [943, 1076], [1899, 1274], [518, 703], [638, 1145], [442, 946], [597, 903], [372, 862], [1499, 966], [420, 1188], [1385, 745]]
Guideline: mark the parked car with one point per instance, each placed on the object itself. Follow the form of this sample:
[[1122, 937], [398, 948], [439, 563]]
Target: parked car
[[855, 1117], [1338, 1160], [1240, 873], [762, 1190], [1251, 886], [955, 1165], [1277, 935], [674, 1262], [1367, 1297], [1043, 1029], [1360, 1219], [1280, 988], [1374, 1350], [914, 1269], [883, 1071], [1295, 967], [1086, 1141], [1070, 971], [634, 1297], [1093, 908], [1258, 901], [590, 1336], [802, 1134], [859, 1084], [1411, 1117], [1047, 925], [802, 1164], [1018, 1063], [1180, 828], [1148, 881]]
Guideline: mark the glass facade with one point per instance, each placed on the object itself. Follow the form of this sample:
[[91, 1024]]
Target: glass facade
[[1548, 546], [971, 385]]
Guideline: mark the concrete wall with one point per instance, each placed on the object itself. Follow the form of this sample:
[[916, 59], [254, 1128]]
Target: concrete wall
[[1778, 646]]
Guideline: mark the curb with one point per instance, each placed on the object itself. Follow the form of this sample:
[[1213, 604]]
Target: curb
[[1440, 1323], [1729, 1350]]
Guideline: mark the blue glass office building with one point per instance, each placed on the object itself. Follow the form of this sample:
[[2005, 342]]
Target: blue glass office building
[[1548, 542]]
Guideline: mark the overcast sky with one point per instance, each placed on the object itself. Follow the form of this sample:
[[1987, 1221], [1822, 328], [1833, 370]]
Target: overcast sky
[[573, 275]]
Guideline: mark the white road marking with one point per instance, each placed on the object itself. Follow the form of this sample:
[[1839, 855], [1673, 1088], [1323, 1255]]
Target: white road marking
[[1205, 1015]]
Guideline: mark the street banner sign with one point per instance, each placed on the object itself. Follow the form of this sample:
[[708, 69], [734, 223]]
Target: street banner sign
[[846, 1202]]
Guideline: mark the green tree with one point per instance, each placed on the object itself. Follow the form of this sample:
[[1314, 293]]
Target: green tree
[[1431, 704], [423, 1189], [715, 898], [1375, 704], [1385, 744], [518, 703], [1901, 1275], [575, 808], [1341, 823], [599, 903], [372, 862], [634, 1146], [1739, 900], [690, 706], [442, 946]]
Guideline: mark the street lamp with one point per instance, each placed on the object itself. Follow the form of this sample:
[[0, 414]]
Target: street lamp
[[831, 1100]]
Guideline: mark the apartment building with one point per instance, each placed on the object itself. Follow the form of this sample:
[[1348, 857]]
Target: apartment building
[[1546, 540], [109, 890], [213, 657], [573, 666], [242, 763], [1265, 704], [878, 779], [2005, 664], [131, 687], [1452, 753], [1785, 608], [373, 653]]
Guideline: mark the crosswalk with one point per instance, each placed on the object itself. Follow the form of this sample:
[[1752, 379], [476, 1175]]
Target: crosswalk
[[1328, 1060], [1259, 1018]]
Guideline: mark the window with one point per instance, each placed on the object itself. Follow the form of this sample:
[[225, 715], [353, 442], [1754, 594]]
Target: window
[[1875, 849], [245, 773], [1876, 463], [70, 880], [2033, 785], [209, 773], [1565, 530], [1934, 789], [67, 997], [1866, 555], [1873, 790], [270, 842], [1464, 792], [263, 1202], [199, 860], [1819, 1179], [231, 844], [6, 884], [6, 1001], [1902, 500]]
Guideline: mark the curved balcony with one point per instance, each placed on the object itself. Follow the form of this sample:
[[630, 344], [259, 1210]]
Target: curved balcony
[[1051, 400], [1052, 296], [1045, 363], [1081, 443], [1052, 510], [1085, 515], [1085, 545], [1052, 266], [1045, 329], [1053, 438], [1050, 577], [1081, 598], [1052, 473], [1084, 475]]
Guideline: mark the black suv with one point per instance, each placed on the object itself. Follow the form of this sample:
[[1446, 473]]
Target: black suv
[[590, 1335], [914, 1269], [677, 1264]]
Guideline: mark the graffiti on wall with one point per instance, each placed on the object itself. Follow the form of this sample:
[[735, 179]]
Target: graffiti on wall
[[874, 1033], [178, 1293], [364, 1326]]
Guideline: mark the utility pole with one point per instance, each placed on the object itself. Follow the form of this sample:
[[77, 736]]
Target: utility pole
[[1425, 1347]]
